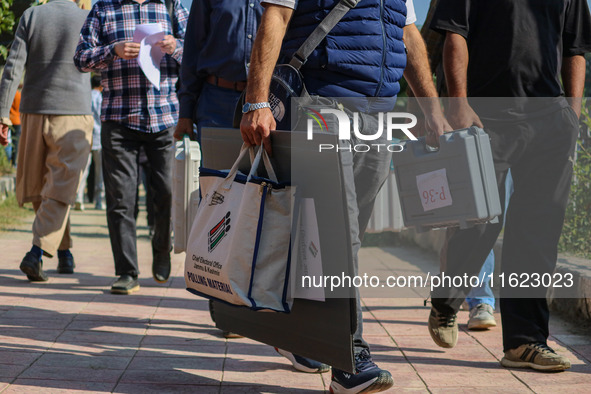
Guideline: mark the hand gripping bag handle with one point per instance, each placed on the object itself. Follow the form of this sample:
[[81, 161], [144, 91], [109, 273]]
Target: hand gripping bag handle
[[227, 184]]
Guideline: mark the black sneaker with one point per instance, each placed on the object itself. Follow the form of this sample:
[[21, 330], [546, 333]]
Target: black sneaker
[[33, 268], [65, 265], [126, 284], [161, 267], [369, 378], [304, 364]]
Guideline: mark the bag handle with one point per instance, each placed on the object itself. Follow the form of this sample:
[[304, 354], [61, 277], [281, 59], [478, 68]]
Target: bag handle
[[227, 184], [255, 162], [262, 154], [326, 25], [268, 166]]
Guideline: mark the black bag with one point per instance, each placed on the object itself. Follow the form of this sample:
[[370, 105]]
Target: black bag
[[287, 83]]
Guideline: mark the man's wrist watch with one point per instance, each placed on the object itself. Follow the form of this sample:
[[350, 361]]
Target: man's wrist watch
[[248, 107]]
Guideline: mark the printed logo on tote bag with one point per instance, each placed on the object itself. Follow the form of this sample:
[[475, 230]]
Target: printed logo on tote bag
[[218, 232]]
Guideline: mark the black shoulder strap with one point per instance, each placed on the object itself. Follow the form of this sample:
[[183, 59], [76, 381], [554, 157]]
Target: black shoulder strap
[[170, 8], [327, 24]]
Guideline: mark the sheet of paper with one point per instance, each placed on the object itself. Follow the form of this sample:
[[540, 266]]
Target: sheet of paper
[[434, 190], [308, 255], [150, 55], [144, 30]]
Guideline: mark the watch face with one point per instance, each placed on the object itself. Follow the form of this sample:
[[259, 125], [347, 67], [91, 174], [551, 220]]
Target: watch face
[[245, 108]]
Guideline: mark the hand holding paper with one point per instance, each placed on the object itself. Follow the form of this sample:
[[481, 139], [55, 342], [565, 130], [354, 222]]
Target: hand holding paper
[[127, 50], [145, 30], [150, 53], [168, 44]]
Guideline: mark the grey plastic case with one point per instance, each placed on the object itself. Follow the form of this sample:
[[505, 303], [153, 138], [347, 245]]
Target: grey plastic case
[[472, 196], [185, 190]]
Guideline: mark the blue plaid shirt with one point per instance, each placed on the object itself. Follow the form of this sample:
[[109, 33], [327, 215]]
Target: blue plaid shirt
[[128, 97]]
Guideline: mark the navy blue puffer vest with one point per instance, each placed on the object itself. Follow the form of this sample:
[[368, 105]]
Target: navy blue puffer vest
[[363, 56]]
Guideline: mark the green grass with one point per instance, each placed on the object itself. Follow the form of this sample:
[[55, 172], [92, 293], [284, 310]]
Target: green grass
[[11, 214], [5, 166]]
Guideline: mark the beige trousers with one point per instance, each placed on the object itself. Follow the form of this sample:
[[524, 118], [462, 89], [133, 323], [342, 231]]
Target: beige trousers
[[53, 152]]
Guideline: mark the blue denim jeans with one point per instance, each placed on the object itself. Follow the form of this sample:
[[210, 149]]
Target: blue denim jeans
[[484, 294], [215, 107]]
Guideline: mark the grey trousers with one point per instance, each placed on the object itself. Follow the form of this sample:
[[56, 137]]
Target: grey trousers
[[364, 174], [121, 150]]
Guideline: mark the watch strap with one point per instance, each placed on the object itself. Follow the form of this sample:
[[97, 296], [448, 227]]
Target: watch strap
[[255, 106]]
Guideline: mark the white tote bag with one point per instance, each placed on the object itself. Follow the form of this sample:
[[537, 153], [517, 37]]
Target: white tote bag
[[239, 247]]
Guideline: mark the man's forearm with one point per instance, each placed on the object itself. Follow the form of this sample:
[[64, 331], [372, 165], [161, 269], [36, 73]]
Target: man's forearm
[[91, 53], [419, 77], [265, 52], [573, 79], [88, 58], [13, 70], [455, 64], [418, 72]]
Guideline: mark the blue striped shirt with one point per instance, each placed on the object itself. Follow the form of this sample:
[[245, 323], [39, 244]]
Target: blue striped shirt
[[128, 97]]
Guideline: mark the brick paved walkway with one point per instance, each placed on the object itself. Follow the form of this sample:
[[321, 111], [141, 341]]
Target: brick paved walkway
[[70, 334]]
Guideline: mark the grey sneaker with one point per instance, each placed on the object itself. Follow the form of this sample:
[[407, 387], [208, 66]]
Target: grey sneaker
[[126, 284], [443, 329], [481, 317], [537, 356]]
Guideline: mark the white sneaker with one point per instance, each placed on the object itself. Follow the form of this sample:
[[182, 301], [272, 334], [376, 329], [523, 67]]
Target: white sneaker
[[481, 317]]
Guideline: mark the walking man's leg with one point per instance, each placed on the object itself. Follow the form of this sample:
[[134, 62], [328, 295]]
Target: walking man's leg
[[120, 148], [159, 150], [363, 175], [535, 218], [67, 142]]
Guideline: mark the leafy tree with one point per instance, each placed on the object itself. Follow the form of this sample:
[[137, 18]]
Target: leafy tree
[[10, 13], [576, 234], [7, 22]]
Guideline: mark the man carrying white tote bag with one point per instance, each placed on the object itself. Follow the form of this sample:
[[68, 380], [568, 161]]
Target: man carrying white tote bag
[[239, 247]]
